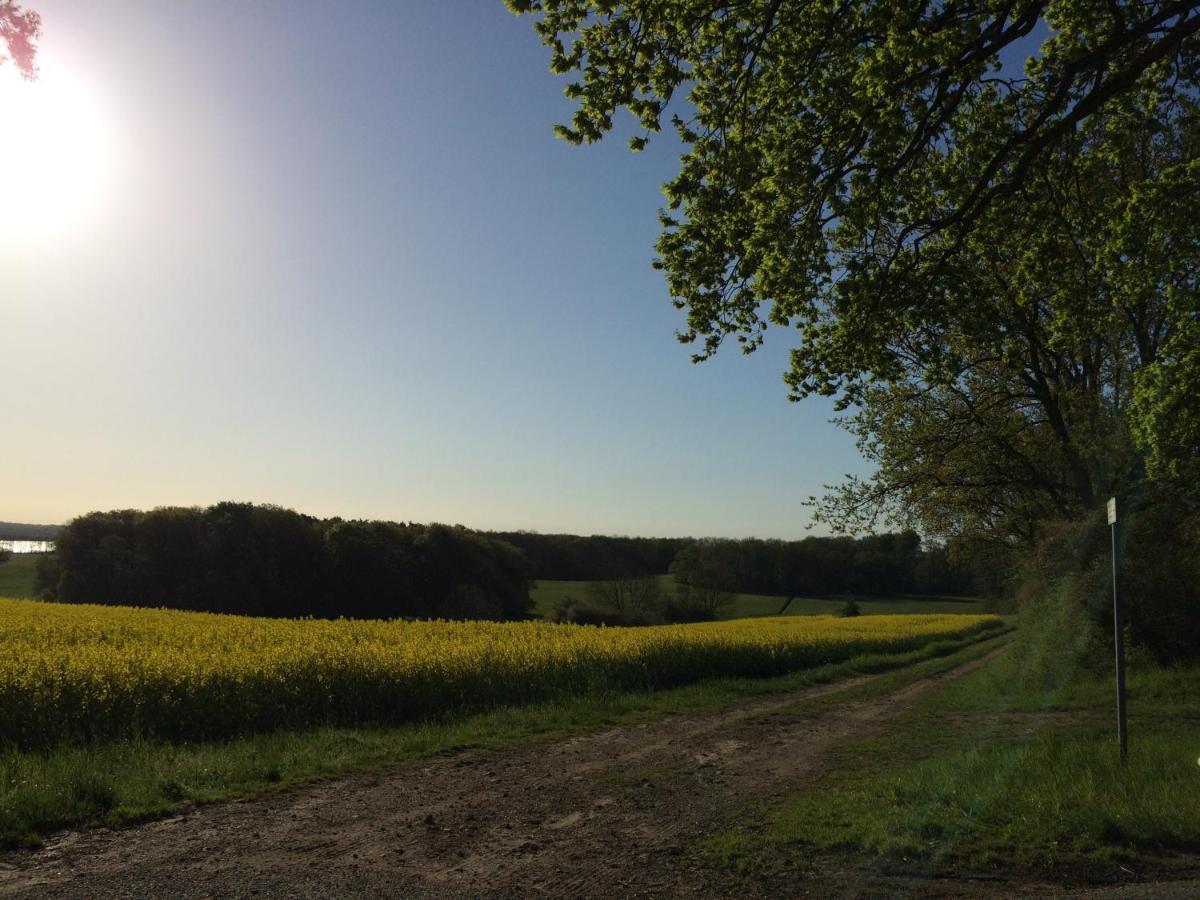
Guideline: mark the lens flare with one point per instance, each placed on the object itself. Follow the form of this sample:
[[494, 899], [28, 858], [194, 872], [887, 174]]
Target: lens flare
[[55, 153]]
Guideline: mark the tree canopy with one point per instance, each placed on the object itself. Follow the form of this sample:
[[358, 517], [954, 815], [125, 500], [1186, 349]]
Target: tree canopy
[[828, 145], [267, 561], [1069, 324], [20, 29], [973, 217]]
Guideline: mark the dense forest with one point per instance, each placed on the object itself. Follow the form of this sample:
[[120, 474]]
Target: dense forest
[[573, 557], [876, 564], [821, 566], [268, 561]]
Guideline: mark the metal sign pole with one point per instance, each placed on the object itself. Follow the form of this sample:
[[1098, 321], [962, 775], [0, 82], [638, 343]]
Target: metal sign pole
[[1118, 636]]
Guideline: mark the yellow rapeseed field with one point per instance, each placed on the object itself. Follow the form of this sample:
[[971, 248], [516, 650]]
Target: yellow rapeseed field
[[80, 673]]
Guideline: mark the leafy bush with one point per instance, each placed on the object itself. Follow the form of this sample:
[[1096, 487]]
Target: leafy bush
[[1160, 574], [680, 608], [1159, 554]]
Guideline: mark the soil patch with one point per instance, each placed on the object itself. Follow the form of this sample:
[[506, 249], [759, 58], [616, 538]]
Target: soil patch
[[612, 813]]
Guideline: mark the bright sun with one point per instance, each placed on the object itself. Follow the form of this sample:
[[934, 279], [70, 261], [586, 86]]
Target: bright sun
[[54, 153]]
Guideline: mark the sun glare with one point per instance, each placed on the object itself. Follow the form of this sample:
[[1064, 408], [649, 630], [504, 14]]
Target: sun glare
[[54, 153]]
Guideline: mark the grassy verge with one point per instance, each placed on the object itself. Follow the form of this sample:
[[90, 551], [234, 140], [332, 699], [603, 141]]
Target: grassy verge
[[130, 780], [1012, 765], [548, 594], [17, 575]]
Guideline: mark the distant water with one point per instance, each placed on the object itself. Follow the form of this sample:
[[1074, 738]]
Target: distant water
[[27, 546]]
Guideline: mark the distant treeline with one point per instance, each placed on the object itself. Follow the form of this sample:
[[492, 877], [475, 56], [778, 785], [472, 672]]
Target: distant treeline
[[15, 531], [815, 566], [267, 561], [820, 566], [573, 557]]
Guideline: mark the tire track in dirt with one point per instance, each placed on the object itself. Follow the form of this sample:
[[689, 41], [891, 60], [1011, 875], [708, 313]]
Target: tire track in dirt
[[614, 812]]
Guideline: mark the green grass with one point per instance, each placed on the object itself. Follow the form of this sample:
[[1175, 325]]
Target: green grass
[[129, 780], [548, 594], [16, 575], [1009, 765], [881, 606]]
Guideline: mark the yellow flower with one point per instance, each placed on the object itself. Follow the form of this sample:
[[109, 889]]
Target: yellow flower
[[74, 672]]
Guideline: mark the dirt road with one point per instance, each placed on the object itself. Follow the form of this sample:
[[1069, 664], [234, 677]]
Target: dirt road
[[616, 813]]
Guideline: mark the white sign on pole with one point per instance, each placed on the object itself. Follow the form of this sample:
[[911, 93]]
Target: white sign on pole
[[1112, 510]]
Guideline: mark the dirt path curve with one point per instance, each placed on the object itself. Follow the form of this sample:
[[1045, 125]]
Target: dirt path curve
[[615, 813]]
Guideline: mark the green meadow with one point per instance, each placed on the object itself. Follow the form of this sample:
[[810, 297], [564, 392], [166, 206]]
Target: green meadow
[[1015, 764], [17, 575], [547, 595]]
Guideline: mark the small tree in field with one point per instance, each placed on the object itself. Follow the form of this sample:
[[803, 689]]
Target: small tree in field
[[697, 602], [703, 582], [634, 598]]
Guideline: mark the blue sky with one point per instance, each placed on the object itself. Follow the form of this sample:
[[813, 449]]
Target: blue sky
[[341, 264]]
